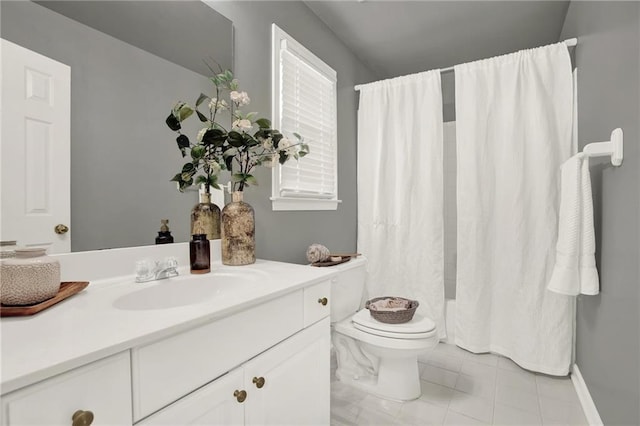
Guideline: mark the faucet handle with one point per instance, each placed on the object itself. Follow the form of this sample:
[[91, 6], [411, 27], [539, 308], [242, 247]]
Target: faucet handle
[[144, 269], [170, 262]]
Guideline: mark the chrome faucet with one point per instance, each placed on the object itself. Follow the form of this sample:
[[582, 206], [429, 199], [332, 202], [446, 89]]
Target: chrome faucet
[[147, 270]]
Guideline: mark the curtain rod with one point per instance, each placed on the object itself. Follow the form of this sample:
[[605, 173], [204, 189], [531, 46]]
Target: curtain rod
[[569, 42]]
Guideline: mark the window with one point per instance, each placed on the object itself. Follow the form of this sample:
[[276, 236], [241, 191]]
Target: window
[[304, 102]]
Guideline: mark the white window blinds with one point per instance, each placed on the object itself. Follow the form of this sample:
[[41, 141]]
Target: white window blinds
[[305, 103]]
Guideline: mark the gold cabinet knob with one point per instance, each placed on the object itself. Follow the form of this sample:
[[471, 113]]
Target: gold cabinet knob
[[323, 301], [61, 229], [259, 382], [240, 395], [82, 418]]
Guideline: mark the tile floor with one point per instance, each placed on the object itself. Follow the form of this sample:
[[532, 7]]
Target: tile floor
[[461, 388]]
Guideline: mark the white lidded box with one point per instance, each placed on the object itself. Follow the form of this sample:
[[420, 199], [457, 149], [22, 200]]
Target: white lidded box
[[30, 277]]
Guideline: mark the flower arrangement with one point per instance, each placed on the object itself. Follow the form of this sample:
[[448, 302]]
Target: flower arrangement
[[247, 143]]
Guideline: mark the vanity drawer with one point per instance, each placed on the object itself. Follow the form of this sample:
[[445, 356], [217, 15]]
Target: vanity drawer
[[102, 387], [317, 302], [166, 370]]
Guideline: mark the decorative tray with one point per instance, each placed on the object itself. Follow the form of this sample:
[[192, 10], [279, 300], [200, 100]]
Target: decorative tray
[[67, 289], [343, 259]]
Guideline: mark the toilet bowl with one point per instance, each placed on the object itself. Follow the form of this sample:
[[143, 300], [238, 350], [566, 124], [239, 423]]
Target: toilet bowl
[[378, 358]]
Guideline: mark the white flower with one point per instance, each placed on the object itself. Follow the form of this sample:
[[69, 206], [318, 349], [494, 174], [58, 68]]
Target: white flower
[[201, 133], [267, 143], [214, 167], [240, 98], [242, 124], [218, 105], [284, 144]]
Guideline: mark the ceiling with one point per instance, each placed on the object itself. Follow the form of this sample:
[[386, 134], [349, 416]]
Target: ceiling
[[396, 38]]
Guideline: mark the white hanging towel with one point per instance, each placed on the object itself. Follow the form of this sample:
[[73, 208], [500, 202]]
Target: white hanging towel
[[575, 269]]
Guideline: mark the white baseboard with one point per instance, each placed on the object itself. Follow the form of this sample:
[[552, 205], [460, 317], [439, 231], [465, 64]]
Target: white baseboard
[[588, 406]]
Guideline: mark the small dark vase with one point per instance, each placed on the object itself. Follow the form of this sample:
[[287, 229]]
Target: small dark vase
[[199, 254], [238, 232], [205, 218]]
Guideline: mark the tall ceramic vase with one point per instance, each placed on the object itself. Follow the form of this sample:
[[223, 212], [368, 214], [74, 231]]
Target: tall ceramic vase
[[205, 218], [238, 232]]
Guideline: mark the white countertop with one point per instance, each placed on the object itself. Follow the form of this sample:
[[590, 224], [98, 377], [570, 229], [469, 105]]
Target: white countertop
[[95, 323]]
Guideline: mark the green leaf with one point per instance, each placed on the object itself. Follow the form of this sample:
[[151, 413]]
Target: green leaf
[[283, 157], [173, 122], [251, 180], [201, 99], [228, 162], [213, 181], [182, 111], [249, 140], [228, 75], [176, 178], [202, 117], [197, 152], [262, 133], [188, 168], [215, 137], [230, 152], [300, 138], [263, 123], [201, 179], [237, 177], [235, 139]]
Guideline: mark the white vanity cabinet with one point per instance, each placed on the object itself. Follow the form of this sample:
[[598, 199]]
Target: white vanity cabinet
[[287, 384], [101, 390], [280, 349], [258, 356]]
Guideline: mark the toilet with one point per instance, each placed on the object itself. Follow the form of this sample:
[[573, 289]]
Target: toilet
[[378, 358]]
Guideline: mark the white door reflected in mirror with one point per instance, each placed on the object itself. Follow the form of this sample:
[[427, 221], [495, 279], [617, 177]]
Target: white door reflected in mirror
[[35, 146]]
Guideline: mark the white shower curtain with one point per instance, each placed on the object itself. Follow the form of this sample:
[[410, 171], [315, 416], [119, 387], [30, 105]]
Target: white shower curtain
[[400, 211], [513, 123]]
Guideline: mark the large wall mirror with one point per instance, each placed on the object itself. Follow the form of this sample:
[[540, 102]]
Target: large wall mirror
[[130, 62]]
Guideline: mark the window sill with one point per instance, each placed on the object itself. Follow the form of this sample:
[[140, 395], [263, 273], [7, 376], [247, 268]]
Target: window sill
[[284, 204]]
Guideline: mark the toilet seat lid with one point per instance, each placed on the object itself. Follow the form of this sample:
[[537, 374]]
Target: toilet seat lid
[[417, 325]]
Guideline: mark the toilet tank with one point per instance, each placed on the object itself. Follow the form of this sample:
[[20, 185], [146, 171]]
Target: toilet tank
[[347, 288]]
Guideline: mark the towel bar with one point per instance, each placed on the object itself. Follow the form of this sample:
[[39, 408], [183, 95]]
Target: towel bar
[[613, 148]]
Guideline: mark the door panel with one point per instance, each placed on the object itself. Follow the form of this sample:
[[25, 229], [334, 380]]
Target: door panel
[[296, 381], [35, 149]]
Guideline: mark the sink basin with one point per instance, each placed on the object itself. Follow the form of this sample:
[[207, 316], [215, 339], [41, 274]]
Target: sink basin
[[185, 290]]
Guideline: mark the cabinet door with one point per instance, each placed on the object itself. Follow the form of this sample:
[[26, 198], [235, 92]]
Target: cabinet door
[[213, 404], [294, 379], [102, 387]]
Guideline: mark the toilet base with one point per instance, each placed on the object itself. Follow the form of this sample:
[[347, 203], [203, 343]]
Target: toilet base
[[397, 379], [383, 366]]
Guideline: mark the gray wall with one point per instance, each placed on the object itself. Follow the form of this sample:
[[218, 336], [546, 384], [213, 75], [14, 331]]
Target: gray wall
[[285, 236], [122, 153], [608, 61]]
